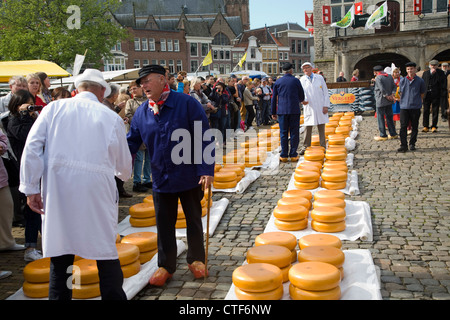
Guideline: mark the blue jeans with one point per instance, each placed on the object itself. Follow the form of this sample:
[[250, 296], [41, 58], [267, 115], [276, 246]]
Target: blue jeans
[[142, 161], [289, 126], [224, 124], [265, 112], [381, 113]]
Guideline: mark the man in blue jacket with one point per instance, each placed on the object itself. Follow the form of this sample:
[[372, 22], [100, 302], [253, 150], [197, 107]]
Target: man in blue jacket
[[172, 125], [287, 96]]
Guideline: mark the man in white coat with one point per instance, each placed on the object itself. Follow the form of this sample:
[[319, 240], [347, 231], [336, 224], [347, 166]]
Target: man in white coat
[[315, 106], [72, 153]]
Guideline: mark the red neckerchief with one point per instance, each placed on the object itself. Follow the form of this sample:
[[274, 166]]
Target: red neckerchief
[[409, 78], [382, 73], [155, 105]]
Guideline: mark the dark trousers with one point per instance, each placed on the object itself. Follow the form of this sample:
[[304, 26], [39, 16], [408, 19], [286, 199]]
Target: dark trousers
[[387, 112], [109, 272], [407, 116], [166, 208], [250, 115], [431, 105], [33, 226], [289, 128]]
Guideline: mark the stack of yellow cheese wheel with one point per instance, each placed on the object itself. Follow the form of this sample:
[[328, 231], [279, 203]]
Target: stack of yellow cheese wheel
[[319, 239], [129, 258], [336, 139], [290, 217], [302, 119], [306, 180], [37, 277], [275, 126], [285, 239], [225, 179], [333, 179], [86, 283], [143, 214], [235, 156], [258, 281], [255, 157], [146, 242], [315, 140], [277, 255], [323, 253], [237, 168], [181, 217], [328, 214], [314, 280], [269, 143], [343, 130]]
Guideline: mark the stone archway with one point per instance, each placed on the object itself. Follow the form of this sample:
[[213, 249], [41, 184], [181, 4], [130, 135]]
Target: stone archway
[[443, 56], [365, 65]]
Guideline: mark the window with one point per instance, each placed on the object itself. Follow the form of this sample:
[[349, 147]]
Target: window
[[299, 46], [151, 44], [144, 62], [442, 5], [137, 64], [117, 46], [144, 44], [205, 49], [264, 54], [215, 55], [257, 66], [286, 56], [194, 50], [427, 6], [227, 54], [154, 61], [222, 69], [235, 57], [336, 14], [176, 45], [293, 46], [169, 45], [162, 62], [221, 40], [163, 45], [305, 46], [274, 54], [137, 44], [115, 64], [216, 67], [227, 68], [179, 65], [221, 55], [171, 66], [194, 65], [253, 53], [280, 56]]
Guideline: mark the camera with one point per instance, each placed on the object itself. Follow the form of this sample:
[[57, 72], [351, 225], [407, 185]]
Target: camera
[[34, 108]]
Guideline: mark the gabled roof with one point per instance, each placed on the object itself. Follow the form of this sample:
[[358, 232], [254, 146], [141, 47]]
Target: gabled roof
[[170, 8], [263, 35], [286, 26]]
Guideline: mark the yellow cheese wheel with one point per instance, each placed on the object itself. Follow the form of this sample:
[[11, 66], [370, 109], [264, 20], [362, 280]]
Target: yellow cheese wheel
[[257, 277], [35, 290], [328, 227], [277, 255], [290, 212], [334, 176], [225, 185], [318, 239], [312, 148], [336, 141], [275, 126], [336, 155], [335, 167], [332, 124], [147, 256], [86, 291], [230, 167], [343, 129], [131, 269], [142, 210], [300, 294], [148, 199], [275, 294], [349, 114], [321, 194], [127, 252], [337, 148], [85, 271], [334, 162], [307, 176], [329, 202], [297, 193], [252, 164], [145, 241], [291, 225], [314, 276], [314, 156], [302, 168], [217, 167], [117, 238], [181, 224], [265, 133], [296, 201], [284, 239], [326, 254], [334, 185], [317, 164], [328, 214], [142, 222], [249, 143], [37, 271], [285, 272], [225, 176], [306, 185]]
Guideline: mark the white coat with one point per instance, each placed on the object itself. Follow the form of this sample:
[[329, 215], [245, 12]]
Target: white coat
[[77, 146], [316, 94]]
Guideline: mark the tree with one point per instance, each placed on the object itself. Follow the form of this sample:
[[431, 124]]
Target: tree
[[56, 30]]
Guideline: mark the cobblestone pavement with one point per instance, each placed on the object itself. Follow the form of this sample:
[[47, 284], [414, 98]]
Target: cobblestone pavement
[[409, 196]]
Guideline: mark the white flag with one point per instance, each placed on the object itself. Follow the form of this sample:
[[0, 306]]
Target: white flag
[[79, 59], [347, 20], [377, 15]]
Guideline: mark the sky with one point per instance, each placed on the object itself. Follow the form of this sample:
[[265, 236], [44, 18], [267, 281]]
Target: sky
[[272, 12]]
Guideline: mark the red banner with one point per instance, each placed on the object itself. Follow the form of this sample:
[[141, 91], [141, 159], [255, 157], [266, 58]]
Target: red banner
[[417, 7], [359, 8], [309, 19], [326, 14]]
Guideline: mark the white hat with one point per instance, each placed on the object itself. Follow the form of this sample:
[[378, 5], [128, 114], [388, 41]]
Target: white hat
[[307, 64], [93, 75]]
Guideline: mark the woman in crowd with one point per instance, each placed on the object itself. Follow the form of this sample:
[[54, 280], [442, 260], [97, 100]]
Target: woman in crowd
[[44, 93], [20, 120], [355, 75], [221, 96], [197, 92], [34, 86], [60, 93], [248, 102]]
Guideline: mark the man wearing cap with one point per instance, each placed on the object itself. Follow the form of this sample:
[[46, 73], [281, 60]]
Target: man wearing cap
[[315, 106], [287, 96], [72, 153], [172, 125], [446, 110], [411, 91], [436, 86], [384, 90]]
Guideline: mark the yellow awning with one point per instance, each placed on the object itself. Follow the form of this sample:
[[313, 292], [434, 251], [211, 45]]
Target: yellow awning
[[22, 68]]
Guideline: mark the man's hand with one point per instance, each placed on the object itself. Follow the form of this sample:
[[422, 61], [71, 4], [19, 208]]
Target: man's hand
[[34, 201], [274, 117], [325, 110], [206, 181]]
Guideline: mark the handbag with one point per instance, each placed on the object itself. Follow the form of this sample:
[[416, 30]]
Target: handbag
[[13, 168], [233, 105]]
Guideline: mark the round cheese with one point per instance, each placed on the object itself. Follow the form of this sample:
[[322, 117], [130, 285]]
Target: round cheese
[[314, 156], [336, 141], [145, 241], [257, 277], [37, 271], [217, 167], [345, 122], [225, 185], [328, 214], [284, 239], [142, 210], [148, 199], [334, 162], [225, 176], [293, 256], [318, 239], [336, 155], [349, 114], [128, 253], [265, 133], [297, 193], [334, 176], [285, 273], [249, 143], [296, 201], [321, 194], [300, 294], [302, 168], [334, 185], [290, 212], [335, 167], [329, 202], [332, 124], [35, 290], [181, 224], [275, 294], [86, 291], [131, 269], [117, 238], [277, 255], [314, 148], [330, 130], [314, 276], [343, 129], [142, 222], [328, 227], [306, 185], [326, 254], [291, 225], [147, 256], [307, 176], [317, 164], [85, 271]]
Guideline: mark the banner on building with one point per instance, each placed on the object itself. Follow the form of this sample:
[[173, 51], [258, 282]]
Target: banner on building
[[417, 7], [377, 15], [309, 19], [358, 8], [347, 21], [326, 14]]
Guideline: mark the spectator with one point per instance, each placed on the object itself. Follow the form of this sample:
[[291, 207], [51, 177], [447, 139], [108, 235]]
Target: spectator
[[265, 108], [44, 93], [60, 93], [221, 97], [355, 75], [248, 103], [341, 77], [34, 86], [15, 83], [197, 93]]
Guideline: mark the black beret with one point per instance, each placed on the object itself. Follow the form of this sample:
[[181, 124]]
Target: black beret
[[148, 69], [410, 64], [287, 66], [378, 68]]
